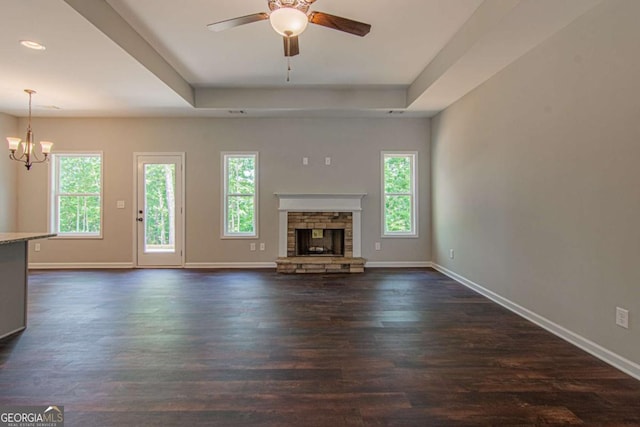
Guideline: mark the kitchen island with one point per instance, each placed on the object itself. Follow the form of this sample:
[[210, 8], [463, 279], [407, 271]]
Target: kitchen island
[[14, 262]]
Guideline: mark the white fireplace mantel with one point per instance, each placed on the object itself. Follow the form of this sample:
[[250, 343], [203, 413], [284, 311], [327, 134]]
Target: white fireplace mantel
[[320, 202], [312, 202]]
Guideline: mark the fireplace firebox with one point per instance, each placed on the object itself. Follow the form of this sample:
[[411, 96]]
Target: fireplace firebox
[[319, 242]]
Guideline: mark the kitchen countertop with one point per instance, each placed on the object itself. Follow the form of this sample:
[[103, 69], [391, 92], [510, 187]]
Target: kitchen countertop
[[6, 238]]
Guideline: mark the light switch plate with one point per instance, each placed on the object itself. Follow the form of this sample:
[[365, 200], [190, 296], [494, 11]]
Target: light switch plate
[[622, 317]]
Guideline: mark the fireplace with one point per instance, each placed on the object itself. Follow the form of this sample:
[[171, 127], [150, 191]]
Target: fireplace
[[320, 233]]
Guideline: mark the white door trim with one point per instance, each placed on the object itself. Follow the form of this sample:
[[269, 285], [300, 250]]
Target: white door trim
[[134, 206]]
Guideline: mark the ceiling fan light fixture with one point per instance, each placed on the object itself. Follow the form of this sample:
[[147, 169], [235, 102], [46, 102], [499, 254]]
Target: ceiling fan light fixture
[[288, 21]]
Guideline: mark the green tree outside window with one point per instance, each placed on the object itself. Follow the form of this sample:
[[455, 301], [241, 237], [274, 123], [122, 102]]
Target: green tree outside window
[[399, 194], [160, 206], [240, 195], [77, 194]]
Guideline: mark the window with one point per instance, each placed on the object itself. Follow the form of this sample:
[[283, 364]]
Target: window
[[76, 203], [399, 203], [240, 194]]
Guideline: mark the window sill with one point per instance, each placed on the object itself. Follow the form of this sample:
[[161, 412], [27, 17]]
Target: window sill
[[77, 237]]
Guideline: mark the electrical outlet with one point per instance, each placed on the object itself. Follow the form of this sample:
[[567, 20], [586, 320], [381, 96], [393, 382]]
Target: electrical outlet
[[622, 317], [305, 161], [327, 161], [252, 247], [262, 246], [37, 247], [377, 246], [452, 254]]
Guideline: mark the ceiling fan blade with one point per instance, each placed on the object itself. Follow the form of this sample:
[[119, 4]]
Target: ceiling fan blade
[[235, 22], [341, 24], [291, 46]]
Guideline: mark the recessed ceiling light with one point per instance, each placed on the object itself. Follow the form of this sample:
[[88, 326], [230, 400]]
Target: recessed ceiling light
[[32, 45]]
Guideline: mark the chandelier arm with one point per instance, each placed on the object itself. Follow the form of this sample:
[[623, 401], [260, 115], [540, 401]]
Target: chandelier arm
[[27, 157], [38, 160], [26, 163], [19, 158], [34, 155]]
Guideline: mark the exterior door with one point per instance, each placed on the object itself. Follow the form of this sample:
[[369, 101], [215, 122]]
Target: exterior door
[[159, 210]]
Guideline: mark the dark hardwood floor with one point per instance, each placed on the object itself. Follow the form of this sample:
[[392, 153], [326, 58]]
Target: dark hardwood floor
[[254, 348]]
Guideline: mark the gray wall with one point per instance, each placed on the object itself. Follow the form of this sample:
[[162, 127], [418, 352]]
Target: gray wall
[[353, 144], [536, 179], [8, 176]]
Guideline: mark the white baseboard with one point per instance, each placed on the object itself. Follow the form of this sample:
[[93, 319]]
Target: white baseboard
[[232, 265], [398, 264], [22, 328], [378, 264], [625, 365], [209, 265], [78, 265]]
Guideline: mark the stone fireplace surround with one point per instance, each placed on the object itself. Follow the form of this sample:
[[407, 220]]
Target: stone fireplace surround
[[319, 210], [337, 229]]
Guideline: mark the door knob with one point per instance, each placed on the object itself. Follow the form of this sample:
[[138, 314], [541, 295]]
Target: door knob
[[140, 219]]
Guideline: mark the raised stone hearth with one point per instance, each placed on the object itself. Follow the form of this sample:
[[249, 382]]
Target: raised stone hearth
[[312, 264], [310, 225]]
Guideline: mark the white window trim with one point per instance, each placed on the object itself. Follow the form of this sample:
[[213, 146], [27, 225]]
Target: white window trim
[[223, 220], [414, 195], [52, 205]]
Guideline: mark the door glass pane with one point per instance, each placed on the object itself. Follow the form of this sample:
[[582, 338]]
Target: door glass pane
[[160, 208]]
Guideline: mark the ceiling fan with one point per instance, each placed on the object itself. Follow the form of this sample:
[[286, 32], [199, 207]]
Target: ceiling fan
[[289, 18]]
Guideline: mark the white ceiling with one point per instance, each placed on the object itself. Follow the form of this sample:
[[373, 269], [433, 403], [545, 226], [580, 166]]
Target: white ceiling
[[157, 58], [253, 54]]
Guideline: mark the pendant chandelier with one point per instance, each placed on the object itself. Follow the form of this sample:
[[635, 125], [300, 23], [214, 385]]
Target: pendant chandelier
[[23, 151]]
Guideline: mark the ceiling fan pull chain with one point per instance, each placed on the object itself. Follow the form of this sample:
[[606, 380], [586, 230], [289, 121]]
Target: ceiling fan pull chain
[[288, 56]]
